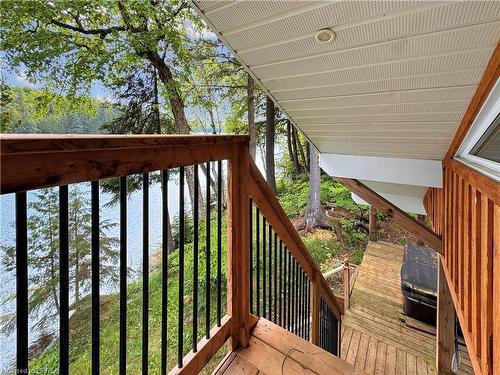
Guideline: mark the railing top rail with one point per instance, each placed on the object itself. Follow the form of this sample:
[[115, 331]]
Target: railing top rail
[[39, 161], [291, 238], [34, 143]]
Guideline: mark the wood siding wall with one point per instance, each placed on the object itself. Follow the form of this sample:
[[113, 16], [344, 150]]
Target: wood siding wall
[[466, 212]]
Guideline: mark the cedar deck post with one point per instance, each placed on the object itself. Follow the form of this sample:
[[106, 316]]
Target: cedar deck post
[[347, 285], [238, 252], [445, 325], [373, 223]]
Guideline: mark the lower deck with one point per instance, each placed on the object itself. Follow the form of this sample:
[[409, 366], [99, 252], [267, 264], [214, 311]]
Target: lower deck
[[275, 351], [375, 337]]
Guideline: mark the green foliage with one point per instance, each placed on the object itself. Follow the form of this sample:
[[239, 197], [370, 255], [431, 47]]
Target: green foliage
[[293, 195], [321, 249], [73, 43], [80, 324], [26, 110], [332, 191]]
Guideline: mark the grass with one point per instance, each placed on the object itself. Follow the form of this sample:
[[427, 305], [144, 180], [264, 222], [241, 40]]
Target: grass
[[80, 321]]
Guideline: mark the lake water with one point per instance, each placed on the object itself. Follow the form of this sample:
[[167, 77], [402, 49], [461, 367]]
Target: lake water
[[112, 213]]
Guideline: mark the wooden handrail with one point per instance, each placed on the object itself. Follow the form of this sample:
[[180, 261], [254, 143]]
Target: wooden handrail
[[262, 194], [40, 161]]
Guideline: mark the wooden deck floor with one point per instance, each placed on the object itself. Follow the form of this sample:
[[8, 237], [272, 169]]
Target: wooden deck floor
[[374, 337], [275, 351]]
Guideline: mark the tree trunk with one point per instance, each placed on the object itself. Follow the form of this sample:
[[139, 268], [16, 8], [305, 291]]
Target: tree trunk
[[295, 158], [178, 110], [251, 117], [314, 215], [270, 132], [156, 101], [308, 158], [301, 153]]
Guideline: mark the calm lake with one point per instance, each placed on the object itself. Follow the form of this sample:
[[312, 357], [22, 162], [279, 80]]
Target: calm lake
[[134, 250]]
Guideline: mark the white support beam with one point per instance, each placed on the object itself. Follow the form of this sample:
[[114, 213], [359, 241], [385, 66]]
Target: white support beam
[[405, 202], [392, 170]]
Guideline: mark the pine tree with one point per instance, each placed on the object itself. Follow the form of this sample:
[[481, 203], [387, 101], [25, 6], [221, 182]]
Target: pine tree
[[43, 256]]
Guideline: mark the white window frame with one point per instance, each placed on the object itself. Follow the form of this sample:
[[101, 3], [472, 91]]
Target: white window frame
[[489, 111]]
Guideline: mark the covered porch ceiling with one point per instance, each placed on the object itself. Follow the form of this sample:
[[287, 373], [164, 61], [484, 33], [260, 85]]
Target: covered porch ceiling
[[393, 84]]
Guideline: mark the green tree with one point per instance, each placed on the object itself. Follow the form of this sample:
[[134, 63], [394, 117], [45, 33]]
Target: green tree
[[71, 44], [43, 256], [27, 110]]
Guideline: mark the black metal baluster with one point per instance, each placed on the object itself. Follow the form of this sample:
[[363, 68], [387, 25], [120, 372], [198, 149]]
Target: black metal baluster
[[94, 193], [321, 323], [257, 250], [337, 339], [145, 272], [64, 281], [289, 287], [264, 225], [164, 271], [285, 287], [22, 283], [293, 321], [329, 332], [301, 310], [219, 242], [332, 334], [195, 258], [123, 276], [275, 277], [302, 302], [180, 316], [207, 255], [296, 297], [303, 293], [308, 309], [270, 274], [251, 260], [280, 293]]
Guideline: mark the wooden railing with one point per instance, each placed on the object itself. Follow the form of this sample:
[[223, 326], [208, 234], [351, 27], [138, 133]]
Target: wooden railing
[[31, 162], [264, 198], [466, 212]]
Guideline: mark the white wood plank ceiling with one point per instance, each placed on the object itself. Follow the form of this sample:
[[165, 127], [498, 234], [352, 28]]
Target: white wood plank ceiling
[[395, 82]]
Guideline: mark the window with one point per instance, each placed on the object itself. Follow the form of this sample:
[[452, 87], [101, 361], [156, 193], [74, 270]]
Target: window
[[480, 148], [488, 147]]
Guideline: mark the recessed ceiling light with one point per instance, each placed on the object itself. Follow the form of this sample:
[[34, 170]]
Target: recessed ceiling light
[[324, 36]]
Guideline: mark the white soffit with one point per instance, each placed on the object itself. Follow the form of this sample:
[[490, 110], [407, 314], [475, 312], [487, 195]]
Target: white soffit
[[406, 197], [392, 170], [395, 82]]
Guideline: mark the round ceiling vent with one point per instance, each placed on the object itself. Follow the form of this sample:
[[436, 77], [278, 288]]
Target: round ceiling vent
[[325, 36]]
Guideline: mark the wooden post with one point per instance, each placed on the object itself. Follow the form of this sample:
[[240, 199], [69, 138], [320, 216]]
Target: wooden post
[[347, 285], [421, 219], [445, 325], [496, 290], [238, 252], [373, 223], [315, 313]]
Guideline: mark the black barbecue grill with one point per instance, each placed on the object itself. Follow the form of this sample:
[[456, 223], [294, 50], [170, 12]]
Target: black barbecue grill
[[419, 283]]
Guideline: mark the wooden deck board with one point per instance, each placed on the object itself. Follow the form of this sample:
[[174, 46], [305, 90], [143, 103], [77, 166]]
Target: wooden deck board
[[375, 338], [275, 351]]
